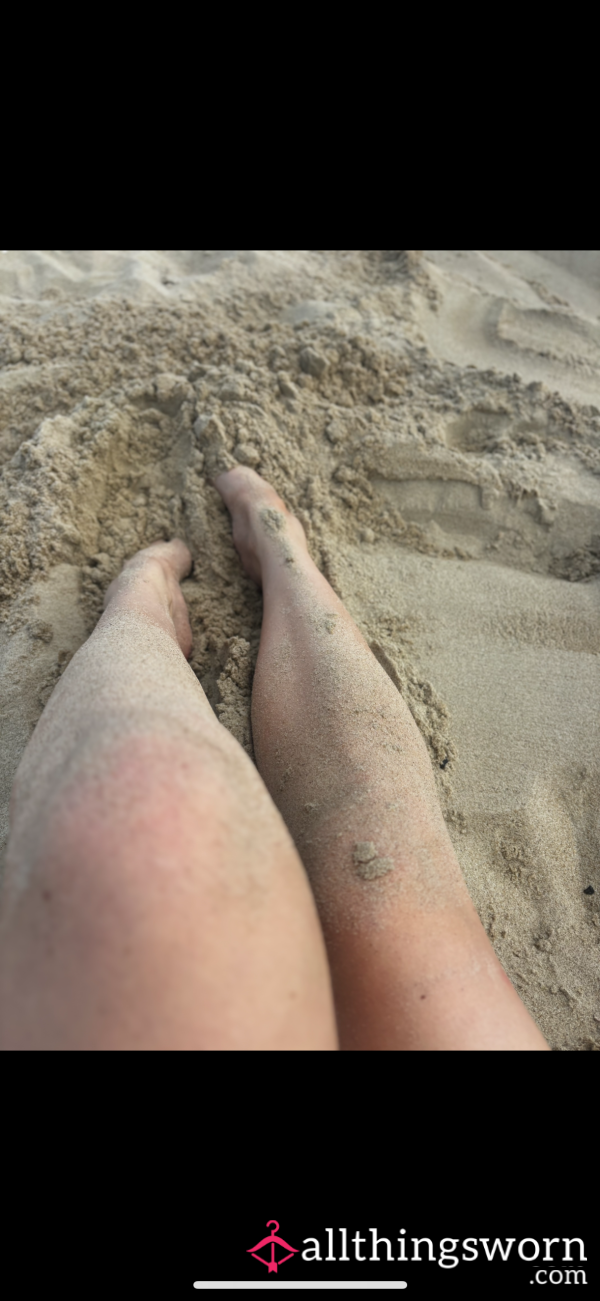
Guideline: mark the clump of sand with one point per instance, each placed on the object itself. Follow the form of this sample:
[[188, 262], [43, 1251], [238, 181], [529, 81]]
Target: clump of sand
[[431, 419]]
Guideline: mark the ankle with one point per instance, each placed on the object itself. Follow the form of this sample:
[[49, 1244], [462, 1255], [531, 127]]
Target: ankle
[[148, 590]]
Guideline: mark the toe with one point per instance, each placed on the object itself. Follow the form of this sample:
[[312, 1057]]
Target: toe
[[176, 553], [230, 482]]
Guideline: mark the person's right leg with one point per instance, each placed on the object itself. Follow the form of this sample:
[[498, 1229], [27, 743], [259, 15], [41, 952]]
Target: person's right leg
[[344, 761]]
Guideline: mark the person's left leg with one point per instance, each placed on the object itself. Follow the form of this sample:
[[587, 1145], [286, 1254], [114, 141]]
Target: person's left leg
[[153, 897]]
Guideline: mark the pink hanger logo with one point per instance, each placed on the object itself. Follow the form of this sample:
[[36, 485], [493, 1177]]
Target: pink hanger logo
[[272, 1239]]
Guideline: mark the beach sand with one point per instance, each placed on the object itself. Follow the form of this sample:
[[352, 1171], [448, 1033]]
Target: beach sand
[[434, 420]]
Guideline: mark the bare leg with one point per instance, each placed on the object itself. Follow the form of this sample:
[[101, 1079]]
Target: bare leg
[[153, 897], [345, 763]]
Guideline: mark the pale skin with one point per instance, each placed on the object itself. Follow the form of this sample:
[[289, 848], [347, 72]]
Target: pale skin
[[161, 894]]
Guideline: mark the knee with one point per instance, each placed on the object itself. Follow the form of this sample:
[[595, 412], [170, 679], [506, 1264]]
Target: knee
[[152, 788], [151, 823], [136, 799]]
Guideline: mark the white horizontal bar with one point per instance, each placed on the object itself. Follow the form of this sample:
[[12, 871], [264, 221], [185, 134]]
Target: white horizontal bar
[[303, 1287]]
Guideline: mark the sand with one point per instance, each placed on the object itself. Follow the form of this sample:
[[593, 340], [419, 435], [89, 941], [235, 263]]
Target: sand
[[431, 417]]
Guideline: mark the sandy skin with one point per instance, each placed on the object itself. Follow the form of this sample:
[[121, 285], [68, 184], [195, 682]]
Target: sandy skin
[[340, 753], [157, 891]]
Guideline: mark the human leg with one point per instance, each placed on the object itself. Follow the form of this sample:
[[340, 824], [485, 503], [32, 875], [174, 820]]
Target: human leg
[[153, 897], [345, 763]]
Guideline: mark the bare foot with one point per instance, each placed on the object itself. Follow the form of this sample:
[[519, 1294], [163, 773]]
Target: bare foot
[[263, 528], [149, 584]]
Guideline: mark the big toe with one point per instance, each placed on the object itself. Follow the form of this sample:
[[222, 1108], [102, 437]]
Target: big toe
[[176, 553], [242, 489], [230, 483]]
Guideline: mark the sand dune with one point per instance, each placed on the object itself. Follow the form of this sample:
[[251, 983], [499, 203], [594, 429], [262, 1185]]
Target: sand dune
[[434, 419]]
